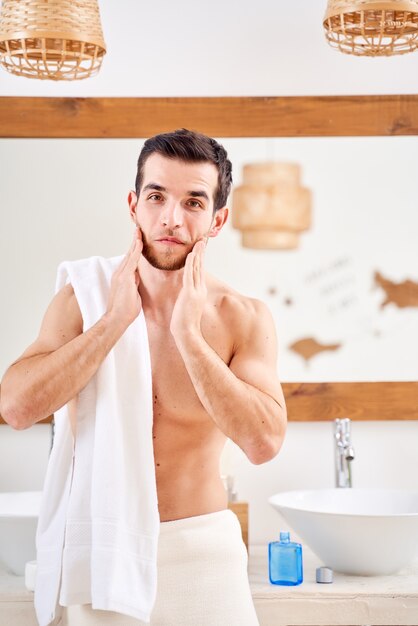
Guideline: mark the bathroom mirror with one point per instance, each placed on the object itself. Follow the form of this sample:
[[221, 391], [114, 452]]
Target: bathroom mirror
[[345, 302]]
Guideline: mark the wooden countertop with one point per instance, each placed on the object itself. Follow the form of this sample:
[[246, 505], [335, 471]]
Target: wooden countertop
[[348, 601]]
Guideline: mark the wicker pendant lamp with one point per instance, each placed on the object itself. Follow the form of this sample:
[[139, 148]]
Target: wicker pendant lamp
[[270, 208], [51, 39], [371, 27]]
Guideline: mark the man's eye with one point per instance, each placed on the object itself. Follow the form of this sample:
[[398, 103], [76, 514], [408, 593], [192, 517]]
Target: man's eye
[[195, 203], [154, 195]]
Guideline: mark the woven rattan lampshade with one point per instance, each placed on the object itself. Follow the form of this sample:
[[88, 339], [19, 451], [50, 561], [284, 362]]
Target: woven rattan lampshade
[[51, 39], [372, 27], [271, 208]]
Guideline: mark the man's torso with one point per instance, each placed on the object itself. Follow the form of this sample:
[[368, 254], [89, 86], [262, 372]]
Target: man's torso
[[187, 442]]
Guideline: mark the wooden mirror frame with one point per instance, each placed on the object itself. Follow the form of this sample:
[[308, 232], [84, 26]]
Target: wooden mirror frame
[[312, 116]]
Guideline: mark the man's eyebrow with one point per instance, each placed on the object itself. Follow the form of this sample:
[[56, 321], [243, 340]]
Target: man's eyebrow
[[193, 194], [198, 194], [154, 186]]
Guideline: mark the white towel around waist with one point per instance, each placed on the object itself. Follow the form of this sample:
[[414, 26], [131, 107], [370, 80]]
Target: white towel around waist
[[99, 523], [202, 578]]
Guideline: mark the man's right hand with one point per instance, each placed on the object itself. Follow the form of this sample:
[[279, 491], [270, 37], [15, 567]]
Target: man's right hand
[[124, 300]]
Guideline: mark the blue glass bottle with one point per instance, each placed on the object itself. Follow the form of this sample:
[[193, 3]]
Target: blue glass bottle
[[285, 561]]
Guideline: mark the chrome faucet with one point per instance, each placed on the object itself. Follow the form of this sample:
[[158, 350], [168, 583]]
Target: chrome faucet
[[344, 452]]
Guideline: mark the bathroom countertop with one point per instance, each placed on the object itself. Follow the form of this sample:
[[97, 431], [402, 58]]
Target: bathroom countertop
[[348, 600], [16, 602]]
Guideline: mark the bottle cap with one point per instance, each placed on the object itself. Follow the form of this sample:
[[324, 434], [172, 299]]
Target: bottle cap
[[324, 574], [284, 535]]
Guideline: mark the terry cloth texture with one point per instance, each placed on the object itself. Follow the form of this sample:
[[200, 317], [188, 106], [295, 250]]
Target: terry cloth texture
[[98, 526], [202, 578]]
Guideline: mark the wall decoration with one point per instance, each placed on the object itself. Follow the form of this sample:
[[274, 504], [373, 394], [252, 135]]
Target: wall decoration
[[271, 208]]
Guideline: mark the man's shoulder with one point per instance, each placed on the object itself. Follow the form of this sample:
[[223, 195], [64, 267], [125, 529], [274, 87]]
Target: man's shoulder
[[235, 306]]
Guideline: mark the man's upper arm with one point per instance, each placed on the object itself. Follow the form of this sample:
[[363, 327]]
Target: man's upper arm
[[255, 357], [61, 323]]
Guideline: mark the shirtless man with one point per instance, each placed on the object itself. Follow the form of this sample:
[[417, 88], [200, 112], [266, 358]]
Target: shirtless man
[[213, 350]]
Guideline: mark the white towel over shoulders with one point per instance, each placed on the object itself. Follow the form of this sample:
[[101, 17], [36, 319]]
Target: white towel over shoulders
[[98, 528]]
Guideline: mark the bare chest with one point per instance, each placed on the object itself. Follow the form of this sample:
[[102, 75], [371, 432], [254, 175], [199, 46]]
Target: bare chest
[[174, 395]]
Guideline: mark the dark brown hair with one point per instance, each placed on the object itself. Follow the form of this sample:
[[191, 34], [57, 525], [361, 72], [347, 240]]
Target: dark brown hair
[[191, 147]]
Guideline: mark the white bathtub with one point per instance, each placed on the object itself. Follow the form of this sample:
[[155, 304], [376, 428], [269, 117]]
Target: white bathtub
[[19, 511]]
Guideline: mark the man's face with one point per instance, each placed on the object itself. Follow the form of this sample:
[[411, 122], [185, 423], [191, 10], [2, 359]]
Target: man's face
[[175, 200]]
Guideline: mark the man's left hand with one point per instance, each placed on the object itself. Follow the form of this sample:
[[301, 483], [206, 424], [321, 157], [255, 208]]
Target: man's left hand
[[188, 309]]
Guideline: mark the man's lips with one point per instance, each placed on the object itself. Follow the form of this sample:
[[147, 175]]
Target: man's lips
[[172, 240]]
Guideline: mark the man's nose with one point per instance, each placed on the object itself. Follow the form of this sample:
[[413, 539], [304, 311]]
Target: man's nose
[[172, 215]]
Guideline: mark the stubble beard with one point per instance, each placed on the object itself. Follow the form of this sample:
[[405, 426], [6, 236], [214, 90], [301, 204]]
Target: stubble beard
[[171, 260]]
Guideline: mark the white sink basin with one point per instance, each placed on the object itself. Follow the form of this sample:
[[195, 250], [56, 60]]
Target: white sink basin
[[355, 531], [19, 511]]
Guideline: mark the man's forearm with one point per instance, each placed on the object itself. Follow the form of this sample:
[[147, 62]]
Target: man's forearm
[[36, 387], [251, 418]]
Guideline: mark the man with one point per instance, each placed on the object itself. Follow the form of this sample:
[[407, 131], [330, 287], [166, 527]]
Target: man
[[213, 350]]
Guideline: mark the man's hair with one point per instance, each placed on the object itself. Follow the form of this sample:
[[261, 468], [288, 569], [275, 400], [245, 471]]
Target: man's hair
[[190, 147]]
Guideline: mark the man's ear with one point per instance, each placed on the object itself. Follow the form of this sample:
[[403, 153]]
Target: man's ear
[[132, 201], [219, 220]]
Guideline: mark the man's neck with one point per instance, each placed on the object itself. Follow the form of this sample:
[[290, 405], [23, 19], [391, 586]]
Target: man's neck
[[159, 290]]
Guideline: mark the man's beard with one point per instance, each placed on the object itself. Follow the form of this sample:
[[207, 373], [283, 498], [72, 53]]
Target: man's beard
[[169, 260]]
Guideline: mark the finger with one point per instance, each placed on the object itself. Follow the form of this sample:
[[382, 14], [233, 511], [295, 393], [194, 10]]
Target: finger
[[188, 271], [134, 239], [124, 262], [138, 232], [131, 260], [200, 248], [140, 238], [137, 237], [201, 260], [136, 253], [196, 265], [127, 256], [137, 243], [131, 248]]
